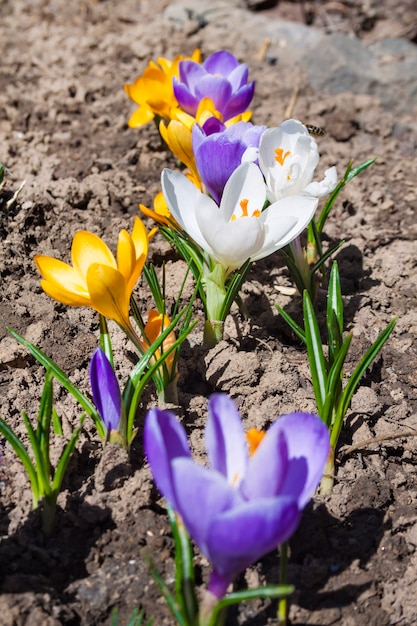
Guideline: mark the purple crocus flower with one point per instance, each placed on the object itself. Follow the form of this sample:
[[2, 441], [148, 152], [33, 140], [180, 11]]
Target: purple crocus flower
[[106, 391], [242, 506], [218, 151], [221, 78]]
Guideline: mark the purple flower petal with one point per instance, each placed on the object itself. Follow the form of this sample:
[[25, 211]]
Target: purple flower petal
[[307, 438], [221, 62], [201, 495], [268, 467], [216, 159], [164, 441], [240, 101], [106, 391], [226, 444], [242, 535]]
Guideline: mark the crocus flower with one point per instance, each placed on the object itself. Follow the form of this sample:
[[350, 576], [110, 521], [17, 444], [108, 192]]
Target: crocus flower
[[153, 90], [239, 229], [95, 278], [288, 157], [219, 150], [154, 327], [242, 506], [106, 391], [221, 78]]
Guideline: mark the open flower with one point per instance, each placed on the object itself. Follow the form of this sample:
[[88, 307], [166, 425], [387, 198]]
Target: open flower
[[153, 90], [219, 150], [242, 506], [106, 391], [288, 157], [239, 229], [95, 278], [221, 78]]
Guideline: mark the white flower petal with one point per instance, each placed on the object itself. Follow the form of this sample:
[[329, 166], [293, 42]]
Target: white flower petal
[[182, 198], [284, 221], [246, 183], [325, 186], [232, 242]]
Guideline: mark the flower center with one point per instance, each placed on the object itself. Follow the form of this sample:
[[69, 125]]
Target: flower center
[[244, 206], [280, 155], [254, 438]]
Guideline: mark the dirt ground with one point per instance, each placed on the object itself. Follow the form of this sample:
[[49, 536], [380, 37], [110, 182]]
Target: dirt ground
[[63, 129]]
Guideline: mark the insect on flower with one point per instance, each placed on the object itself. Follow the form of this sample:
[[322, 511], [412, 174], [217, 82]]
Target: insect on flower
[[316, 131]]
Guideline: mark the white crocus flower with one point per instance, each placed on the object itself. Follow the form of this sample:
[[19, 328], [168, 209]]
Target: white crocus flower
[[288, 157], [238, 229]]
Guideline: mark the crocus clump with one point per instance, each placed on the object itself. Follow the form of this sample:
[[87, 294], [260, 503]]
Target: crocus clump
[[221, 78], [238, 229], [241, 506]]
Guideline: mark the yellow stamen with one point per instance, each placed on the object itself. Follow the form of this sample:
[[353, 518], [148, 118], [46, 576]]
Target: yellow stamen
[[254, 437], [280, 155]]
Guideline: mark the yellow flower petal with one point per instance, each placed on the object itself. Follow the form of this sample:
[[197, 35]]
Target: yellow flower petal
[[108, 293], [62, 282], [88, 248], [140, 117]]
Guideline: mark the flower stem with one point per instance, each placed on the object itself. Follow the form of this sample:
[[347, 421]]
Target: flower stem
[[327, 481], [283, 571], [169, 394], [213, 332]]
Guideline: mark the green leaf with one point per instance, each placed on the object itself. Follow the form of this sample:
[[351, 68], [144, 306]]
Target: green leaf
[[369, 356], [334, 383], [318, 365], [349, 174], [105, 340], [41, 465], [57, 423], [166, 593], [268, 591], [65, 458], [63, 379], [292, 323], [23, 455], [184, 569], [334, 316]]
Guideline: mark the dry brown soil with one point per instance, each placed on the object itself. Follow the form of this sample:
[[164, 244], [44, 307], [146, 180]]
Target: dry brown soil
[[63, 128]]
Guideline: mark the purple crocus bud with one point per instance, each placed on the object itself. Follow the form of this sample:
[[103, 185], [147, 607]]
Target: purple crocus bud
[[106, 391], [242, 506], [221, 78], [219, 150]]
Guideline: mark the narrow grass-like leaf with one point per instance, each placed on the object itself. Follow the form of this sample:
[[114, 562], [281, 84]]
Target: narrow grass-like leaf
[[292, 323], [105, 341], [23, 455], [318, 365], [233, 288], [166, 593], [65, 458], [369, 356], [268, 591], [334, 316], [184, 569], [334, 382], [326, 256], [63, 379], [348, 175], [57, 423], [42, 471]]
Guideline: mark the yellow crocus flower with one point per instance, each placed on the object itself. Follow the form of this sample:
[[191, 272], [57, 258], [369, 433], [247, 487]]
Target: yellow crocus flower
[[153, 91], [95, 278]]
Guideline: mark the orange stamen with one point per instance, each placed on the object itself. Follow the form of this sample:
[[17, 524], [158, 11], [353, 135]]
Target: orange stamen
[[254, 438], [280, 155]]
